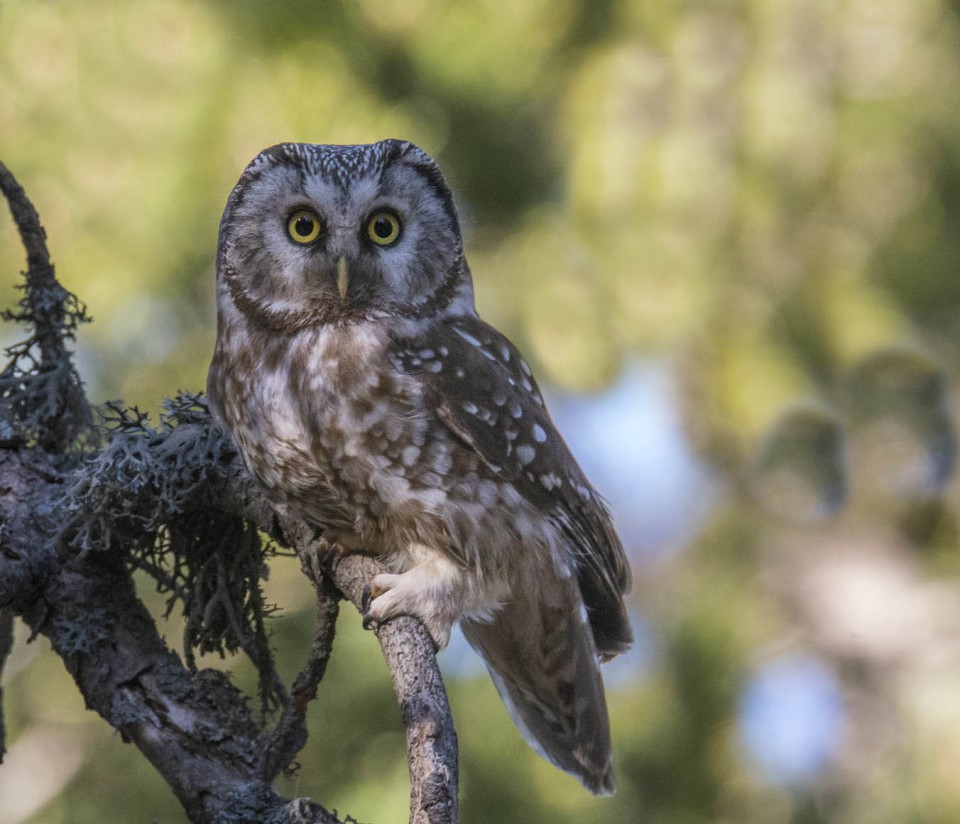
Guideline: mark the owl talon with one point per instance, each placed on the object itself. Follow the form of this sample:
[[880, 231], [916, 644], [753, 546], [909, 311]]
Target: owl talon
[[365, 598], [388, 595], [370, 593]]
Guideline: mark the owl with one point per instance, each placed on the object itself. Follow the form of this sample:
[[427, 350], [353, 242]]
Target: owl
[[367, 396]]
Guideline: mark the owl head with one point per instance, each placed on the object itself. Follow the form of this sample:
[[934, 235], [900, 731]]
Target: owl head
[[316, 234]]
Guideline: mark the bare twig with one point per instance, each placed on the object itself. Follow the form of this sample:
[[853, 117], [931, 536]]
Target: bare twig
[[290, 733]]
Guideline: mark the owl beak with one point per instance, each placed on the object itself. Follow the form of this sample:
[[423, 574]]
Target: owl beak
[[343, 277]]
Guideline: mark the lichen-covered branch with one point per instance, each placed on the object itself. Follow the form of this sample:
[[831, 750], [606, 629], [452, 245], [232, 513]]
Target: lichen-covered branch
[[82, 507], [41, 395]]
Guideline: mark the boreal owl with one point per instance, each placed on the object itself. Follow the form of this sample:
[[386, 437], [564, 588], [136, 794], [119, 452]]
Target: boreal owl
[[367, 396]]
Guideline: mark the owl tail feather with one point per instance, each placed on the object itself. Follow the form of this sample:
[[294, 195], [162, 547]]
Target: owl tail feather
[[543, 661]]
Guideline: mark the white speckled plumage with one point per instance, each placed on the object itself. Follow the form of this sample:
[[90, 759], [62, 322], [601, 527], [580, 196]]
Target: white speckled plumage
[[365, 394]]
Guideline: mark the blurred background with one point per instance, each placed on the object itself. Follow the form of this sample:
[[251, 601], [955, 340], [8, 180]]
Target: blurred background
[[726, 234]]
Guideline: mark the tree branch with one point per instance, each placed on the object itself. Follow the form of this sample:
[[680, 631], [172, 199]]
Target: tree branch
[[431, 737], [48, 315], [193, 726], [73, 530], [290, 733], [41, 395]]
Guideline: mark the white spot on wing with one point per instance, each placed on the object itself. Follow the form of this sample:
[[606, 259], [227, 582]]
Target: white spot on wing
[[538, 434], [525, 454], [551, 481]]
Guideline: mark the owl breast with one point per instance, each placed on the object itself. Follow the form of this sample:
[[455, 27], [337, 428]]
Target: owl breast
[[332, 427]]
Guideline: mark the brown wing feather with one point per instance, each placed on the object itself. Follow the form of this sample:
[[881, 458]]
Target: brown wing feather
[[483, 391]]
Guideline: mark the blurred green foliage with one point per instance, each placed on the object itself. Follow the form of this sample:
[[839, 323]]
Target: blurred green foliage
[[764, 195]]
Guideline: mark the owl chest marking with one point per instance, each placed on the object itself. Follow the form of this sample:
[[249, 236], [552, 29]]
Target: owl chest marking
[[337, 402]]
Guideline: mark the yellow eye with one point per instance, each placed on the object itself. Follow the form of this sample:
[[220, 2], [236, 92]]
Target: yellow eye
[[384, 228], [303, 226]]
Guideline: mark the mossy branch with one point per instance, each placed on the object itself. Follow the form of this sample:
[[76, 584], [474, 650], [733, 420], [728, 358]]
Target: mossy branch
[[41, 396], [83, 505]]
